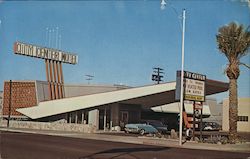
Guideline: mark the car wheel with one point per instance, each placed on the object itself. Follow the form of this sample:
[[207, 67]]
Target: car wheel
[[142, 132], [159, 135]]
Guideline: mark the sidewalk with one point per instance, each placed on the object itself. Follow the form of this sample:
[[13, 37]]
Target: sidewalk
[[243, 147]]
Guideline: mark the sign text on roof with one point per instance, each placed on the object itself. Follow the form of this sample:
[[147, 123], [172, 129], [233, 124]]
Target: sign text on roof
[[44, 53]]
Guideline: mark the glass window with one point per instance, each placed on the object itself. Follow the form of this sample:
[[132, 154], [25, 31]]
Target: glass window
[[243, 118]]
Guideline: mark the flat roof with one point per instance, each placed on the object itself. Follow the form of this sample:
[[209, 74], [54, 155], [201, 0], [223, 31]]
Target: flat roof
[[148, 96]]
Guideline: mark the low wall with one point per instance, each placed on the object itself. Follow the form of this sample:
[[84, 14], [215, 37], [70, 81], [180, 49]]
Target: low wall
[[85, 128]]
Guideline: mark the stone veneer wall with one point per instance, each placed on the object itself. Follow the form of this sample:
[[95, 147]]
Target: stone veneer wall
[[85, 128]]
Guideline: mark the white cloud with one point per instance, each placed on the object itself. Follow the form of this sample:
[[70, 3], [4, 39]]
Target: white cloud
[[246, 1]]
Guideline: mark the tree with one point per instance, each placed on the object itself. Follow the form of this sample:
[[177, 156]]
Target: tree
[[233, 41]]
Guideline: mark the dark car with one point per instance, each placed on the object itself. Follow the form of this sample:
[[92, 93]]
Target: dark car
[[163, 129]]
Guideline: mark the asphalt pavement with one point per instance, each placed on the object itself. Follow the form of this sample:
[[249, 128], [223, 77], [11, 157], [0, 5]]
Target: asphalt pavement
[[20, 145], [121, 137]]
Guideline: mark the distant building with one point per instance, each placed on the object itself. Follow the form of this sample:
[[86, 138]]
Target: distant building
[[243, 124], [215, 109]]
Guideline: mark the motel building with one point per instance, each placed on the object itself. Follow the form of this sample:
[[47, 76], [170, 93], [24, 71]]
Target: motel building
[[100, 107], [103, 107]]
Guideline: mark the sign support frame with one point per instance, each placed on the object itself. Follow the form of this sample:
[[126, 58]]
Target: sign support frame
[[53, 65]]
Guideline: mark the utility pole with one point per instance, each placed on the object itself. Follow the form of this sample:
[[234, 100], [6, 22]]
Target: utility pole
[[10, 85], [89, 78], [157, 74], [163, 5]]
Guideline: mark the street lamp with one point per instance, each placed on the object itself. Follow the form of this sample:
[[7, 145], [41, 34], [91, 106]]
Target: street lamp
[[163, 6]]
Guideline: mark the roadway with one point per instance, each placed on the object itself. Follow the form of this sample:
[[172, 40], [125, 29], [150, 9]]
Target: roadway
[[34, 146]]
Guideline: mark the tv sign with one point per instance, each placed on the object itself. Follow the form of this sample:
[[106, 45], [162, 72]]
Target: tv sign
[[194, 86]]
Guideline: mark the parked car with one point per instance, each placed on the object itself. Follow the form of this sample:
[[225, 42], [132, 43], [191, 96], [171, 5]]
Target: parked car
[[162, 129], [140, 128], [211, 126]]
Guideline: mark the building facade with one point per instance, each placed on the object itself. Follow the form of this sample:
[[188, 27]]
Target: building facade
[[243, 123], [18, 95], [98, 105], [215, 109], [24, 94]]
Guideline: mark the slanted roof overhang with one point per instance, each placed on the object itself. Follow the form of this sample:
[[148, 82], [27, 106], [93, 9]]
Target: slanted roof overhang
[[175, 108], [148, 96], [213, 87], [168, 97]]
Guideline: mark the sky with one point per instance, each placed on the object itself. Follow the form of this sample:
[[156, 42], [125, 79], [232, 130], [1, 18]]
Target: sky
[[119, 42]]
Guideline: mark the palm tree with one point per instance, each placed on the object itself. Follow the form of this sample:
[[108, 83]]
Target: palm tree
[[233, 41]]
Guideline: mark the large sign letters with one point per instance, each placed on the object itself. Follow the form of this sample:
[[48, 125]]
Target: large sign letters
[[44, 53]]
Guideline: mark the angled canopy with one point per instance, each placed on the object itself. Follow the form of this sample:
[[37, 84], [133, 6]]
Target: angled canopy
[[148, 96], [175, 108]]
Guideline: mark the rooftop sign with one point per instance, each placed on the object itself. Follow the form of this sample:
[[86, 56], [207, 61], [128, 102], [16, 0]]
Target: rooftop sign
[[44, 53]]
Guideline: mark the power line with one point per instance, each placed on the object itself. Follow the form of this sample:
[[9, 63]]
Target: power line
[[157, 74], [89, 78]]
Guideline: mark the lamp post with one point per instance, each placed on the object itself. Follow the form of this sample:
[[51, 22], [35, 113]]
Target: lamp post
[[163, 5], [182, 73]]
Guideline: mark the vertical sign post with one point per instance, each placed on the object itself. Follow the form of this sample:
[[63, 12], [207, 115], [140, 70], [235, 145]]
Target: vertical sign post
[[194, 89], [194, 121], [53, 62], [201, 126]]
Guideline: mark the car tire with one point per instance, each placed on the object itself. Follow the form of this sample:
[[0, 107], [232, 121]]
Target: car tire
[[159, 135], [142, 132]]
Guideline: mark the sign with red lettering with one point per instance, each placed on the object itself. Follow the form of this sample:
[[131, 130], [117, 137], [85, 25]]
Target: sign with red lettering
[[194, 86]]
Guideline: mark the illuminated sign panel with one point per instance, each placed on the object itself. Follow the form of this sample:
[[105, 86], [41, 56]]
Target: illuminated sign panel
[[44, 53], [194, 86]]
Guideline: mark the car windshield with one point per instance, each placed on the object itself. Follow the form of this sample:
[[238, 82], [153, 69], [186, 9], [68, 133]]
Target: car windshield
[[156, 123]]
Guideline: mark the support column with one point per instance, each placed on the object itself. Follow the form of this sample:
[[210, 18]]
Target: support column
[[52, 80], [70, 118], [55, 79], [76, 117], [48, 78], [59, 81], [82, 117], [115, 114], [94, 118], [62, 80], [105, 119], [201, 122]]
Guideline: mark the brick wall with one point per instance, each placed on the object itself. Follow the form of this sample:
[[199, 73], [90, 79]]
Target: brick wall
[[23, 95]]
